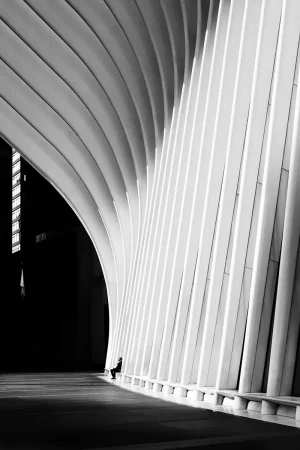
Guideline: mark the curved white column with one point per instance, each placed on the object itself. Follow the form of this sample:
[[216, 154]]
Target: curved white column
[[201, 144], [234, 151], [269, 24], [282, 86], [288, 259], [214, 181]]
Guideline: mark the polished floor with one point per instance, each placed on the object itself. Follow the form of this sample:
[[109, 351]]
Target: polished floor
[[82, 411]]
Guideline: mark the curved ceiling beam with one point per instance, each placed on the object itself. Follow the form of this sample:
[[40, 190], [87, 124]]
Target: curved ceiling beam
[[154, 20], [66, 64], [193, 11], [79, 37], [105, 26], [130, 20], [174, 20]]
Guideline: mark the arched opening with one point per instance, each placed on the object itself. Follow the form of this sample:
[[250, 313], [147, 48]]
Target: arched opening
[[59, 319]]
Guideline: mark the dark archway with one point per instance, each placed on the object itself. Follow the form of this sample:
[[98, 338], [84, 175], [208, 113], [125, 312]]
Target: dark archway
[[61, 323]]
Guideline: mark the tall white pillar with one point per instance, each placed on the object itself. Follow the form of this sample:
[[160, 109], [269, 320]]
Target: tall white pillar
[[282, 87], [288, 260], [265, 54]]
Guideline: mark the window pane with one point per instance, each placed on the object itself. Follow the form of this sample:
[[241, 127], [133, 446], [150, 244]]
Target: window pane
[[16, 202], [16, 157], [16, 238], [16, 214], [16, 167], [16, 190], [16, 248], [16, 226], [16, 179]]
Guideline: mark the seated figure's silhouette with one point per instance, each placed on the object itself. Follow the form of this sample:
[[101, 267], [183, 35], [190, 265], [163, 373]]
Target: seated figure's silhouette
[[116, 369]]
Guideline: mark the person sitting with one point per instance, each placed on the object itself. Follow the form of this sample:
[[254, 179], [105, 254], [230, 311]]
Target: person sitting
[[117, 369]]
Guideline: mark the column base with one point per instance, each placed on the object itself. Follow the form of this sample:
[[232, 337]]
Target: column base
[[268, 408], [254, 406], [298, 412], [168, 389], [157, 387], [214, 399], [180, 392], [125, 379], [195, 395], [148, 385], [240, 403]]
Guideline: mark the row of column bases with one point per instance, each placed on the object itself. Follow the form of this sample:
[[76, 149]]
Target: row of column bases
[[257, 402]]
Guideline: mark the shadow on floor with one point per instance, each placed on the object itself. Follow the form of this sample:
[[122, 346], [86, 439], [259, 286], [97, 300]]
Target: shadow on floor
[[80, 411]]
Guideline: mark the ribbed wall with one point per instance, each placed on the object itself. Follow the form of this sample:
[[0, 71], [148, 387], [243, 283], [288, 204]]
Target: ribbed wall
[[172, 129]]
